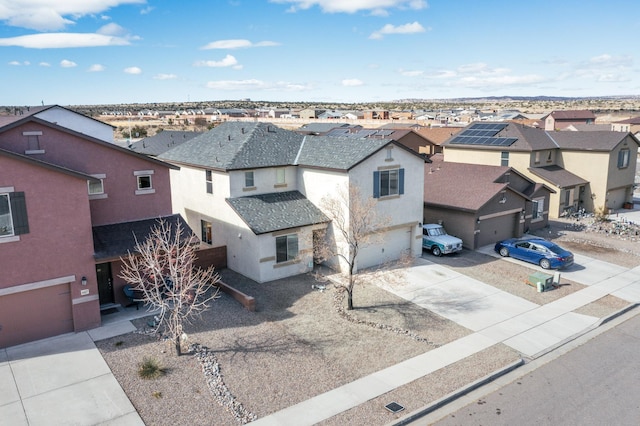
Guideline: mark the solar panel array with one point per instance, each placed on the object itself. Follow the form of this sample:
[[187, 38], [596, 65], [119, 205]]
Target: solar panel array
[[483, 134]]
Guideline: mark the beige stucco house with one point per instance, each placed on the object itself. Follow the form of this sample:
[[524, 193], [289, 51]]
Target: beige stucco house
[[586, 170]]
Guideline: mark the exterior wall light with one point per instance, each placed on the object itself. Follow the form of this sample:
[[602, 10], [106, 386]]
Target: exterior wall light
[[83, 281]]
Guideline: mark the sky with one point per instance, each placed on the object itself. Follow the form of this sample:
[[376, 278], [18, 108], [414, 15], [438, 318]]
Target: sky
[[91, 52]]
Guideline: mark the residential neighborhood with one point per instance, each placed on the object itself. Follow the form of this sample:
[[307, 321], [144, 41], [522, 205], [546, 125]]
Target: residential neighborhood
[[75, 201]]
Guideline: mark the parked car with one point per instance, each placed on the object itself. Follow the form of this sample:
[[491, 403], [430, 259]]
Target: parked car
[[436, 239], [535, 250]]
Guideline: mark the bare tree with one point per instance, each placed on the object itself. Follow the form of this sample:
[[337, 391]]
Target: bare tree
[[162, 269], [356, 224]]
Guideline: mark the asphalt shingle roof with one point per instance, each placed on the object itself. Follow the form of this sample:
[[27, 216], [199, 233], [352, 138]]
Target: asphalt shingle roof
[[162, 142], [277, 211], [238, 145], [588, 141], [558, 176], [336, 152], [116, 240]]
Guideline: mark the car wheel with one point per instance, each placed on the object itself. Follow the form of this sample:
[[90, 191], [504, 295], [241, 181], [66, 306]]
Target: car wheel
[[544, 264], [436, 251], [504, 252]]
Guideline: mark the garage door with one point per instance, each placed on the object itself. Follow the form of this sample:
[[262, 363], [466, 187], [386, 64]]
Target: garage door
[[35, 314], [394, 243], [497, 228]]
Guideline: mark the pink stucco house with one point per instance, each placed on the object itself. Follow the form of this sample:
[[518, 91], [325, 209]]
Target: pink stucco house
[[70, 205]]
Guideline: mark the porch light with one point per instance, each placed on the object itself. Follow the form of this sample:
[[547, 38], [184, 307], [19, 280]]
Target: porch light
[[83, 281]]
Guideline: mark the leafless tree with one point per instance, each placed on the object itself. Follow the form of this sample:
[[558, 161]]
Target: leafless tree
[[356, 224], [162, 270]]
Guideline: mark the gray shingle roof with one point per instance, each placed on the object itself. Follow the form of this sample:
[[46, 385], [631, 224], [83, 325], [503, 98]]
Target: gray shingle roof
[[277, 211], [588, 141], [162, 142], [116, 240], [337, 153], [237, 146]]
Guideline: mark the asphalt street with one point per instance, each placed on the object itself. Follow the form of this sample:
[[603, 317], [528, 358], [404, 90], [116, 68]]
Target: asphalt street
[[597, 383]]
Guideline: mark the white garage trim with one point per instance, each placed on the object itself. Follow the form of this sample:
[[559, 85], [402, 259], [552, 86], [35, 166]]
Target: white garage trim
[[37, 285]]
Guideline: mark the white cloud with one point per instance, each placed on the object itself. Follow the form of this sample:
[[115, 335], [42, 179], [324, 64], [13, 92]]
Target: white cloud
[[237, 44], [411, 28], [53, 15], [227, 61], [165, 76], [253, 84], [146, 10], [96, 68], [18, 63], [63, 40], [133, 70], [65, 63], [408, 73], [376, 7], [44, 64], [111, 29], [352, 82]]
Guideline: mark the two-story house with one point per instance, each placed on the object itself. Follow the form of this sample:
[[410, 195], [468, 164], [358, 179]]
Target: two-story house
[[258, 189], [558, 120], [584, 169], [59, 188]]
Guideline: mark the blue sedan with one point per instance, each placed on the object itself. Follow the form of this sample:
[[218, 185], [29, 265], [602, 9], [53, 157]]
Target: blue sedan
[[535, 250]]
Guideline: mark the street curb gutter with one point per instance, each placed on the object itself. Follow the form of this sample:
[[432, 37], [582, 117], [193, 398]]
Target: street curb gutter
[[457, 394]]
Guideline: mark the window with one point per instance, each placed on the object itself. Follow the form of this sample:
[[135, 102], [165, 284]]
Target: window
[[248, 180], [209, 180], [537, 158], [538, 209], [280, 176], [33, 142], [145, 184], [568, 201], [96, 188], [206, 231], [286, 248], [504, 158], [623, 159], [13, 214], [388, 182], [389, 154]]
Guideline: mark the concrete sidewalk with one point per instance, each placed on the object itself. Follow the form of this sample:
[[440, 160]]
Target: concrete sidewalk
[[494, 315], [62, 380]]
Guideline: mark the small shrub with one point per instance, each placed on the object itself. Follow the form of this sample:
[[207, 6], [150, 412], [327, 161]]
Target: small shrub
[[157, 395], [150, 368], [601, 214], [118, 343]]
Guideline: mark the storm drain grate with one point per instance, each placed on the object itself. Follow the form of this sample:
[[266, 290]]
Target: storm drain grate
[[394, 407]]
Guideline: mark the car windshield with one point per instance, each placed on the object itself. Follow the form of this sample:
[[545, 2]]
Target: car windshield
[[434, 232]]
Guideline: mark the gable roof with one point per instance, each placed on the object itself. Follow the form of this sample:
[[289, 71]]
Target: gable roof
[[277, 211], [20, 113], [238, 145], [119, 239], [571, 115], [32, 118], [588, 141], [465, 194], [162, 142], [46, 165], [632, 120], [338, 153]]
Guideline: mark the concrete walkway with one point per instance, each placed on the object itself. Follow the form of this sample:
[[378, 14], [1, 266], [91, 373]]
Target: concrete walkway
[[63, 380], [494, 315]]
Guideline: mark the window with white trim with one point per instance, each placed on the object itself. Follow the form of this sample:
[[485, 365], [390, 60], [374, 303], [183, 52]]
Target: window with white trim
[[33, 142], [248, 180], [504, 158], [209, 181], [280, 176], [144, 181], [286, 248]]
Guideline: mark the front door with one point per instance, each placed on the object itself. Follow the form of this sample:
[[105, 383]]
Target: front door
[[105, 283]]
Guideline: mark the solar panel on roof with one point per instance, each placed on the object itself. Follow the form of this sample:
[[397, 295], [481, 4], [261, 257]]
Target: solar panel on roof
[[483, 134]]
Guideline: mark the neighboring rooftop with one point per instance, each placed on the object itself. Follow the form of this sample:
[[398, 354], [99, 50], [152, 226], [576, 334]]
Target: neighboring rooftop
[[162, 142]]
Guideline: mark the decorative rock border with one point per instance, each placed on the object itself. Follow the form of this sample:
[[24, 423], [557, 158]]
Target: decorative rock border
[[213, 376]]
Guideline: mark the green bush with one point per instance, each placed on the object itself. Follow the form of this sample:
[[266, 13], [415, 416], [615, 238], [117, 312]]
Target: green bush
[[150, 368]]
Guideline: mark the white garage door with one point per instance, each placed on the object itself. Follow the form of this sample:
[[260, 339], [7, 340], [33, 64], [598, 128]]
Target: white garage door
[[393, 244]]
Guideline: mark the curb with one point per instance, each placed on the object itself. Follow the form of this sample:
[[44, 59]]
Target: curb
[[457, 394], [422, 412]]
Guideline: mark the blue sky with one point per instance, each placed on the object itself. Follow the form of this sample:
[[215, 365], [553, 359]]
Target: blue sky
[[70, 52]]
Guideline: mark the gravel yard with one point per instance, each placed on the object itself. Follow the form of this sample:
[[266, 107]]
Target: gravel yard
[[296, 345]]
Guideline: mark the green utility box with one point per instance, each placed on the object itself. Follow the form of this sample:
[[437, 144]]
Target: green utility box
[[541, 281]]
